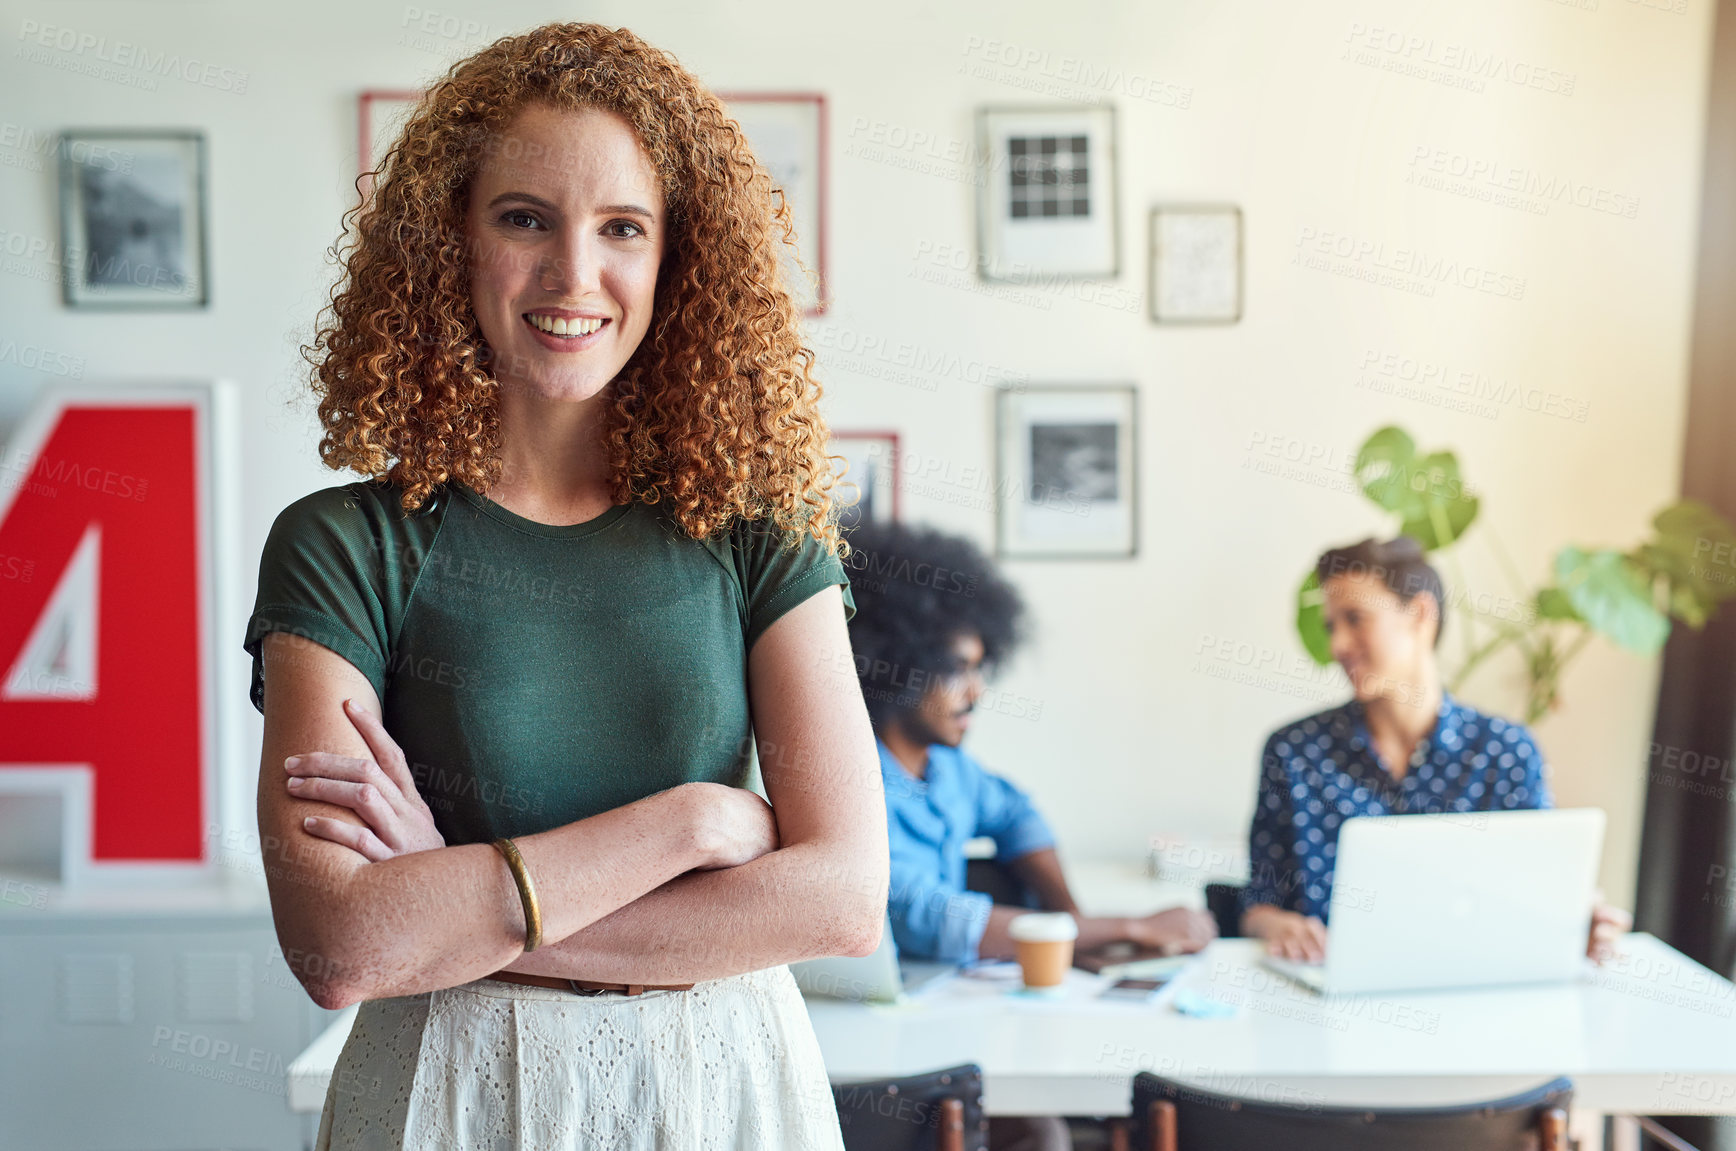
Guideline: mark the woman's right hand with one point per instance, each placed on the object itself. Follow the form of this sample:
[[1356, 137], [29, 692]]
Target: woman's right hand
[[1288, 934], [735, 825]]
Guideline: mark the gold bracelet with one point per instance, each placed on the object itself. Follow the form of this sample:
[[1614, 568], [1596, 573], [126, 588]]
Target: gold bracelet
[[526, 893]]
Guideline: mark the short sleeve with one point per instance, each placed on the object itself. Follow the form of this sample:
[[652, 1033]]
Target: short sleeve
[[319, 578], [776, 576]]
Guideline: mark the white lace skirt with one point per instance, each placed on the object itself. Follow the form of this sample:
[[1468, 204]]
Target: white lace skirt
[[492, 1066]]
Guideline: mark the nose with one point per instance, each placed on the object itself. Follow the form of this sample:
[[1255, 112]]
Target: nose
[[1342, 644], [570, 265]]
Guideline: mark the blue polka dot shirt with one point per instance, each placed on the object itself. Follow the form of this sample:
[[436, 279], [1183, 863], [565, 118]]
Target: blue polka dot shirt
[[1320, 771]]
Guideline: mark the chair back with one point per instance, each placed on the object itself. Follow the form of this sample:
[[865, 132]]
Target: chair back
[[1224, 901], [1171, 1116], [934, 1111], [997, 881]]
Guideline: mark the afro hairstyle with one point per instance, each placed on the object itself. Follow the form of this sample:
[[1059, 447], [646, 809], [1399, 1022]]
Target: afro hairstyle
[[916, 590]]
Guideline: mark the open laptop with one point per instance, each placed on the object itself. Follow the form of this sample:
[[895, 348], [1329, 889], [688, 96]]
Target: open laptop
[[1465, 899], [880, 978]]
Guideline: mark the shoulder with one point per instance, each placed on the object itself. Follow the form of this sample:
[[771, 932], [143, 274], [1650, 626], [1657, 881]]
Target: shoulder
[[975, 777], [346, 507], [764, 539], [963, 763], [1480, 733], [361, 513], [1310, 735], [352, 543]]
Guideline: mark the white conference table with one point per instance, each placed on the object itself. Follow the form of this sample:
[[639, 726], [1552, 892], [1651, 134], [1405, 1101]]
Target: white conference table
[[1650, 1033]]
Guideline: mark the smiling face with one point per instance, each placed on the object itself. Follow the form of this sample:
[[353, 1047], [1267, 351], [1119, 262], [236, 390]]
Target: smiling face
[[566, 231], [943, 715], [1381, 642]]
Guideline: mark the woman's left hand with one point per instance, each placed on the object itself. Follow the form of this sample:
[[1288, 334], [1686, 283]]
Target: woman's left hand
[[1607, 925], [380, 790]]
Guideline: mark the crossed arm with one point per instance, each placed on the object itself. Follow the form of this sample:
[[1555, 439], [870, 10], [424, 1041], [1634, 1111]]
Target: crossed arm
[[409, 915], [822, 774]]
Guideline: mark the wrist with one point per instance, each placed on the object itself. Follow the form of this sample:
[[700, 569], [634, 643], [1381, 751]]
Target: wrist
[[1257, 920], [699, 839], [1097, 931]]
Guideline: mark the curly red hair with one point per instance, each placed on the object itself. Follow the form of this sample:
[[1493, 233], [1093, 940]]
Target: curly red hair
[[717, 410]]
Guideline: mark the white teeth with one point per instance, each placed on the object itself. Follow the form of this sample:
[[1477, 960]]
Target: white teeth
[[556, 326]]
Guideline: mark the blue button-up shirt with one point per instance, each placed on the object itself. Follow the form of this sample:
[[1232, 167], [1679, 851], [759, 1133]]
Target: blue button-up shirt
[[928, 821], [1322, 770]]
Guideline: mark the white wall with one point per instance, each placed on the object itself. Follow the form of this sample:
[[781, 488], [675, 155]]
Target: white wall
[[1264, 104]]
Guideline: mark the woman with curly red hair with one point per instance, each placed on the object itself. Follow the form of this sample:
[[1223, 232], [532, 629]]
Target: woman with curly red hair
[[512, 681]]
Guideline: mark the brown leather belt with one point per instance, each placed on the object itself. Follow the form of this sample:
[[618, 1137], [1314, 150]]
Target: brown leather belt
[[585, 986]]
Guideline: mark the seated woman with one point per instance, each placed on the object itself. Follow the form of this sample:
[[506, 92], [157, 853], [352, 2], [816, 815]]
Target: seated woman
[[1401, 745]]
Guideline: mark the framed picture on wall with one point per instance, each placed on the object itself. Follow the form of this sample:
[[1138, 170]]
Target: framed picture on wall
[[1067, 463], [1196, 264], [787, 131], [380, 117], [132, 219], [1046, 199], [872, 479]]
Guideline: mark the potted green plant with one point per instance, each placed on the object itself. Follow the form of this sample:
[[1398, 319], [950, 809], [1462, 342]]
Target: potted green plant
[[1682, 572]]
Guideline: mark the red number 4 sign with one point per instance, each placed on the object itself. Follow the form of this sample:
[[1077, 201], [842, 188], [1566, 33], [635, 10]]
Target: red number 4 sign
[[105, 618]]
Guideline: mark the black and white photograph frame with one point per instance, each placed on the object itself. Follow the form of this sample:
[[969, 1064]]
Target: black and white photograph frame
[[1195, 264], [869, 489], [787, 132], [1067, 464], [1046, 200], [132, 220]]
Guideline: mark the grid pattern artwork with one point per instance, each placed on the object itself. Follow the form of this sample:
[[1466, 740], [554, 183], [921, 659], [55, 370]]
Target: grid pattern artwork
[[1051, 176]]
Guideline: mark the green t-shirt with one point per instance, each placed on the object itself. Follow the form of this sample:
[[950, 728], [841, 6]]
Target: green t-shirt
[[535, 674]]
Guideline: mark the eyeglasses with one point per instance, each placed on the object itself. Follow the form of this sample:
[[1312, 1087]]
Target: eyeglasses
[[957, 678]]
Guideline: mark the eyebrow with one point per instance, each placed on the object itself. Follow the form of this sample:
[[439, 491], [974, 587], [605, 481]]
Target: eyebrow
[[614, 209]]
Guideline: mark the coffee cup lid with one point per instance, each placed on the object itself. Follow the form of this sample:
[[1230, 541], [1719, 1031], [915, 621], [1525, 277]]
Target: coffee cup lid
[[1043, 927]]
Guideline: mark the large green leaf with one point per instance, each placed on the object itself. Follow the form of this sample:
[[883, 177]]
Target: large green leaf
[[1695, 530], [1311, 620], [1383, 467], [1425, 492], [1446, 510], [1696, 550], [1611, 593]]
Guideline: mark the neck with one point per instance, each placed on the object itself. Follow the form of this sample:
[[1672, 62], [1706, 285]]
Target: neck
[[551, 452], [911, 754], [1409, 717]]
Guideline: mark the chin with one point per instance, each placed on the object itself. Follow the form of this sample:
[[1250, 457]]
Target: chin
[[558, 387]]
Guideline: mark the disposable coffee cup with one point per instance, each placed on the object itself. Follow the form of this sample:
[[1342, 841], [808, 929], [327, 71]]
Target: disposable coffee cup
[[1043, 942]]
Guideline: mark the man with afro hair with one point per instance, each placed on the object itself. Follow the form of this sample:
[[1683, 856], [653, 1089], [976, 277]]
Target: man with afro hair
[[933, 619]]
